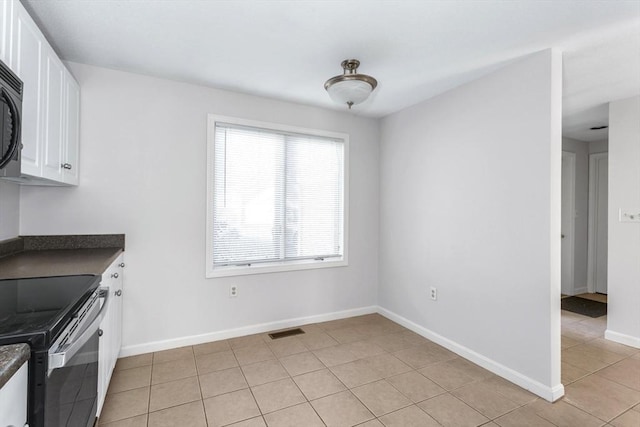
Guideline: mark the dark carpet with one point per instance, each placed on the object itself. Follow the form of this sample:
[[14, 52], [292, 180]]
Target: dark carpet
[[584, 306]]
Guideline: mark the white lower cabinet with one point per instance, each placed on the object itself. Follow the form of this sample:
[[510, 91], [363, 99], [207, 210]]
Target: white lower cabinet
[[111, 328], [13, 399]]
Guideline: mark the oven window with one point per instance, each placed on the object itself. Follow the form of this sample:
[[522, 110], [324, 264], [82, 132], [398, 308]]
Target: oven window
[[73, 389]]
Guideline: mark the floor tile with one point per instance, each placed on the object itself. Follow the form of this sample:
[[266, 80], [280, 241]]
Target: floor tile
[[522, 417], [355, 373], [212, 362], [336, 355], [277, 395], [174, 393], [253, 354], [173, 354], [287, 346], [341, 409], [381, 397], [600, 397], [318, 384], [129, 379], [471, 369], [251, 422], [230, 408], [139, 421], [593, 352], [387, 365], [391, 342], [221, 382], [625, 372], [564, 415], [294, 416], [571, 373], [510, 390], [446, 375], [190, 414], [211, 347], [411, 416], [264, 372], [371, 423], [174, 370], [614, 347], [415, 386], [417, 357], [317, 340], [301, 363], [452, 412], [485, 400], [347, 335], [628, 419], [127, 404], [246, 341], [362, 349], [134, 361]]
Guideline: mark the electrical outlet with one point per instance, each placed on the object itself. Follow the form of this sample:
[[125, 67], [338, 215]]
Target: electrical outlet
[[233, 291], [434, 293]]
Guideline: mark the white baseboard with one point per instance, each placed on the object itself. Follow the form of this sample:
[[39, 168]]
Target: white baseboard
[[548, 393], [149, 347], [622, 338]]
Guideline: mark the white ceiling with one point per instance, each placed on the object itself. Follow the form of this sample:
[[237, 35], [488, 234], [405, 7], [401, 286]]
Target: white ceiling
[[286, 49]]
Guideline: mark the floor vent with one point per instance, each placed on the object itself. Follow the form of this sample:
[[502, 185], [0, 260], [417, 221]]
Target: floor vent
[[287, 333]]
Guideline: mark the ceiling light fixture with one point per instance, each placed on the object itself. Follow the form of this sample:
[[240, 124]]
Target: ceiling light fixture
[[350, 88]]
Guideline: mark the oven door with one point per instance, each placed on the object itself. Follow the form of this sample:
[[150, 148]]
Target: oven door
[[72, 383]]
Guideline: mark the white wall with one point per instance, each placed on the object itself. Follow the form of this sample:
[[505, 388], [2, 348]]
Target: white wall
[[143, 169], [598, 147], [624, 237], [581, 242], [9, 210], [470, 204]]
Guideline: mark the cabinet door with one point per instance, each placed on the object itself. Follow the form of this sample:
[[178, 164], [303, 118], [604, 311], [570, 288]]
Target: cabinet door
[[26, 61], [54, 124], [70, 167], [5, 31], [104, 368], [117, 322], [13, 399]]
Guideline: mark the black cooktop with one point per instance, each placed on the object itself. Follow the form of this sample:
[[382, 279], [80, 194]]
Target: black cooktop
[[36, 310]]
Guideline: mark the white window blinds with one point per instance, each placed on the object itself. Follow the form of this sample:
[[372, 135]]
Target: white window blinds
[[277, 196]]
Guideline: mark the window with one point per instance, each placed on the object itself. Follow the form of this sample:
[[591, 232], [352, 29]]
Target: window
[[276, 198]]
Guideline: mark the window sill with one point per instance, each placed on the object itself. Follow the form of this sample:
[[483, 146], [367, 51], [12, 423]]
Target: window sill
[[273, 268]]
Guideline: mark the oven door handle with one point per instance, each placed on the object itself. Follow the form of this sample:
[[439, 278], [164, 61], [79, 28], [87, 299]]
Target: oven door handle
[[60, 358]]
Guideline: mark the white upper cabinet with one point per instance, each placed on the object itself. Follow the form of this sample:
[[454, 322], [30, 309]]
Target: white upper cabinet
[[50, 103], [26, 61], [5, 31], [70, 167]]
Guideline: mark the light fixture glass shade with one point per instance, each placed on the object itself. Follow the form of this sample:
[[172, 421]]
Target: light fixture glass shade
[[350, 88], [350, 92]]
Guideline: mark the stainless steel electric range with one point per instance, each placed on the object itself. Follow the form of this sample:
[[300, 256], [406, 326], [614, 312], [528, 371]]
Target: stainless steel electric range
[[58, 317]]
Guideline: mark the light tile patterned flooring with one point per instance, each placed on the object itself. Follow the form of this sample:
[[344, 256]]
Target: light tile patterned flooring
[[367, 371]]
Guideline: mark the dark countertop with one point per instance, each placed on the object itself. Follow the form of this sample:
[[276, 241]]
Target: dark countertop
[[58, 255], [57, 262], [11, 359]]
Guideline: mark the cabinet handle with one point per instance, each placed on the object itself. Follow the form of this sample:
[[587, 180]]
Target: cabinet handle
[[115, 275], [100, 332], [119, 293], [121, 265], [66, 166]]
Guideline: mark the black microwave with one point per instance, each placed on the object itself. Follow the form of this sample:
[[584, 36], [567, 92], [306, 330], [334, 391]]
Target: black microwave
[[10, 122]]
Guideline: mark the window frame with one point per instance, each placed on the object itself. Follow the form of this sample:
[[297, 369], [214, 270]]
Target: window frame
[[276, 266]]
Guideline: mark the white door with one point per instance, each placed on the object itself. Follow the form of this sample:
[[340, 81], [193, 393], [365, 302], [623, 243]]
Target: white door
[[54, 106], [598, 228], [568, 221]]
